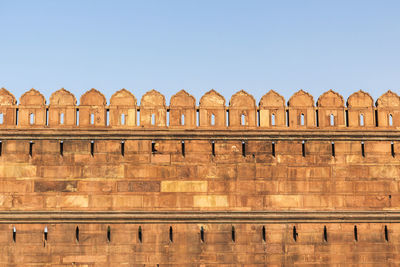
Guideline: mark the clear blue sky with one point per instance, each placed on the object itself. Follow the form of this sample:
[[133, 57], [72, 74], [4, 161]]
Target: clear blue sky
[[199, 45]]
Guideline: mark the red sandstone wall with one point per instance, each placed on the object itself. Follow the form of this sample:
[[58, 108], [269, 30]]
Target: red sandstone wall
[[35, 178], [166, 180]]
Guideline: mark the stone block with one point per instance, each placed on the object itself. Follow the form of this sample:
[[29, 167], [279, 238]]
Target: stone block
[[127, 201], [74, 201], [210, 201], [184, 186], [138, 186]]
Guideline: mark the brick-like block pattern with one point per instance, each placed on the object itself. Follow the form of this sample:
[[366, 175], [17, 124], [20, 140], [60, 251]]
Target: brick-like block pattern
[[185, 247], [197, 180]]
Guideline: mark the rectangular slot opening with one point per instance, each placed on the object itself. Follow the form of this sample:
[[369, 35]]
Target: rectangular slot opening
[[92, 148], [263, 233], [153, 147], [47, 116], [77, 234], [287, 118], [233, 232], [386, 234], [77, 117], [123, 119], [295, 234], [1, 148], [202, 234], [108, 234], [303, 148], [183, 148], [391, 149], [213, 148], [355, 233], [108, 117], [45, 236], [61, 148], [273, 149], [362, 149], [325, 234], [140, 234], [123, 148], [14, 234], [168, 115], [243, 148], [333, 149], [30, 148], [171, 234]]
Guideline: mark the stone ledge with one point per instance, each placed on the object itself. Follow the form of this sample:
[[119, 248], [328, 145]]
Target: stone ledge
[[18, 217], [200, 134]]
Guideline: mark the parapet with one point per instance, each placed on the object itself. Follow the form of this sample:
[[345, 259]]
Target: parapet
[[300, 112]]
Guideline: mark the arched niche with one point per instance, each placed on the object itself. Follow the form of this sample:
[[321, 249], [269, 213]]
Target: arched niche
[[212, 110], [301, 110], [92, 109], [331, 110], [388, 109], [7, 109], [242, 110], [123, 107], [360, 106], [32, 109], [62, 109], [153, 110], [272, 110], [182, 110]]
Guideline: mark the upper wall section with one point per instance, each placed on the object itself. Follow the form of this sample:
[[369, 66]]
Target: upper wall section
[[301, 112]]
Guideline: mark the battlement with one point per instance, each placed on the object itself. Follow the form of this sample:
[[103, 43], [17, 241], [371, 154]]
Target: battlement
[[272, 112]]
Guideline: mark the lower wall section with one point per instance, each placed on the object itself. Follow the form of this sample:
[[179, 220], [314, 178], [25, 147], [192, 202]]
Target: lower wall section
[[185, 244]]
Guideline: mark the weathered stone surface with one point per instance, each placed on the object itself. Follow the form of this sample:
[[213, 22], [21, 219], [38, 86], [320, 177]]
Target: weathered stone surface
[[184, 186], [245, 167], [55, 186]]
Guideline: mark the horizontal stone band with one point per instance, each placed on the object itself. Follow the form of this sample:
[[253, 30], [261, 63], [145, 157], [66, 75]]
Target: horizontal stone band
[[31, 217], [198, 134]]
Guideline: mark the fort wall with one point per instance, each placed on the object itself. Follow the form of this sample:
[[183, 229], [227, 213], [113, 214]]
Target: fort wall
[[272, 184]]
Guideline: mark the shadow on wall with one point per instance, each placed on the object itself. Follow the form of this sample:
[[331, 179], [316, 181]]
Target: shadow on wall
[[242, 112]]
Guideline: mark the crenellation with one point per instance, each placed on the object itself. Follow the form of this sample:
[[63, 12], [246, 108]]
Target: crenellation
[[388, 109], [242, 110], [8, 109], [182, 110], [360, 110], [331, 110], [32, 109], [212, 110], [153, 110], [301, 110], [123, 111], [92, 109], [272, 110], [62, 109]]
